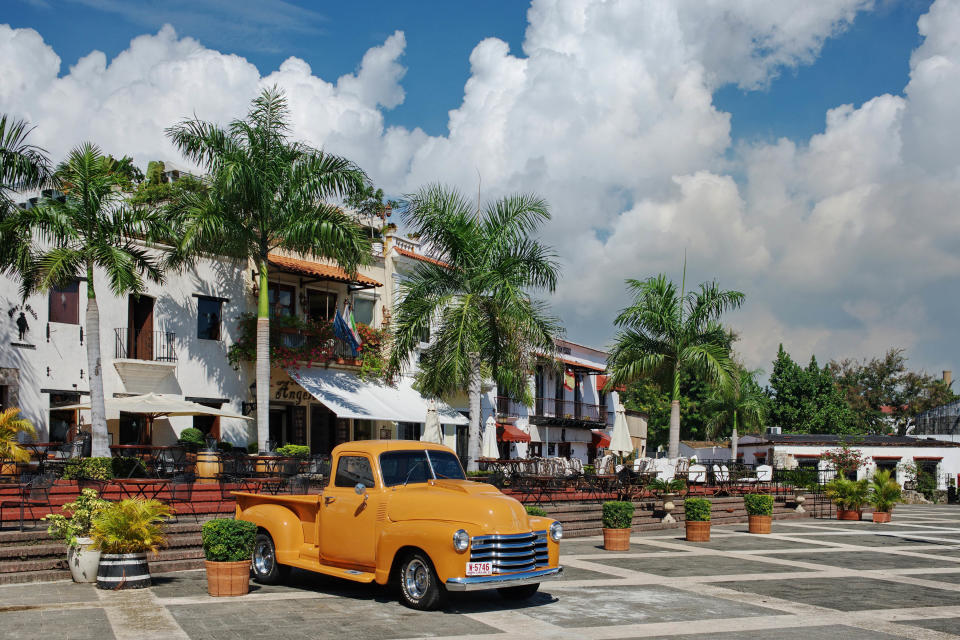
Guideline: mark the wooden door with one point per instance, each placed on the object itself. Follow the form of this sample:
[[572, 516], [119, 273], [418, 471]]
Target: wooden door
[[140, 335]]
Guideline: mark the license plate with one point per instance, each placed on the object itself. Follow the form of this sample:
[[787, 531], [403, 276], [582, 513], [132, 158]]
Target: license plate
[[479, 568]]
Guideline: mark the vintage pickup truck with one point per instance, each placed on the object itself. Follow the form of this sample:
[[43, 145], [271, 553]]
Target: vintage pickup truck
[[404, 511]]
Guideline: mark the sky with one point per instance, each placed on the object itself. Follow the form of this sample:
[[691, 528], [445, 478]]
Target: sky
[[804, 153]]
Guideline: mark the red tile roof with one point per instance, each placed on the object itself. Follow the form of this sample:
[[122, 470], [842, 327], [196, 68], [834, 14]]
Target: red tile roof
[[417, 256], [326, 271]]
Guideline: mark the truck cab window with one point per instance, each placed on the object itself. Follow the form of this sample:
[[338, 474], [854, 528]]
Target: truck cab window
[[354, 470], [404, 467]]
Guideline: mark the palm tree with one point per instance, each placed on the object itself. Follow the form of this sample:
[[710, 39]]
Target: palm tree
[[488, 322], [665, 331], [265, 192], [11, 426], [89, 228], [23, 167], [740, 404]]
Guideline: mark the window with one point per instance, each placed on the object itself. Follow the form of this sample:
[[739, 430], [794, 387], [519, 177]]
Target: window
[[353, 470], [534, 450], [363, 430], [321, 305], [445, 465], [65, 304], [404, 467], [408, 430], [363, 310], [209, 311], [563, 450], [282, 301], [62, 422]]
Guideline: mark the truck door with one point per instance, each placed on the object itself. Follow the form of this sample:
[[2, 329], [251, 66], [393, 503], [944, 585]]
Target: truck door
[[348, 519]]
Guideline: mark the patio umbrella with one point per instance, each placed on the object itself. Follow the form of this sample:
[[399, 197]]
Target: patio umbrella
[[620, 442], [431, 429], [489, 448]]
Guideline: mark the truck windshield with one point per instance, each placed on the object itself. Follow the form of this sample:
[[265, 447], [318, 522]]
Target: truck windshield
[[411, 467]]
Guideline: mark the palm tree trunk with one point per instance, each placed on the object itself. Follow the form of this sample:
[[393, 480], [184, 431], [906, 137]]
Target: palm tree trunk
[[263, 360], [674, 445], [100, 439], [473, 392]]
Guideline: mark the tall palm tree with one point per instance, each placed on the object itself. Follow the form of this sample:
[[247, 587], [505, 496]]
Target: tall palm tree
[[667, 330], [89, 229], [739, 405], [265, 192], [480, 296], [23, 167]]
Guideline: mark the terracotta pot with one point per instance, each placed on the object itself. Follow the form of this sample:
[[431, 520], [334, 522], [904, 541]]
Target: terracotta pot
[[759, 524], [698, 531], [616, 539], [848, 514], [228, 578], [881, 516]]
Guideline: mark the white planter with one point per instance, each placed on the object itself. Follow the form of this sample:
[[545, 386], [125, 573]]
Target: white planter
[[83, 561]]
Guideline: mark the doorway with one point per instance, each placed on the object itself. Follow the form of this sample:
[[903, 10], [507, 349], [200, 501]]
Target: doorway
[[278, 423], [140, 332], [323, 424]]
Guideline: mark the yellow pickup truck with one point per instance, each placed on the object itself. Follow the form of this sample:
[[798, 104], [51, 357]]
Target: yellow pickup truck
[[404, 511]]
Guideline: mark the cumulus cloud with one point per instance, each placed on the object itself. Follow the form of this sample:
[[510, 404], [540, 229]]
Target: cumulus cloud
[[845, 244]]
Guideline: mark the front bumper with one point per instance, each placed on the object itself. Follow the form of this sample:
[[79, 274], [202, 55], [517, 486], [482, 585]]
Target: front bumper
[[476, 583]]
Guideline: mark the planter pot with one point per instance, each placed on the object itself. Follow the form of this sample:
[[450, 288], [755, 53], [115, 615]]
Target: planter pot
[[848, 514], [83, 561], [698, 531], [123, 571], [228, 578], [759, 524], [616, 539], [881, 516]]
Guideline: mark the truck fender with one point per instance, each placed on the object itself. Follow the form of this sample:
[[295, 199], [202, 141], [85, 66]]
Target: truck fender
[[433, 538], [282, 524]]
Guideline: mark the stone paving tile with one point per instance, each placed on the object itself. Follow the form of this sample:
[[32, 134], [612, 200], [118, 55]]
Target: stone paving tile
[[863, 560], [946, 625], [695, 566], [848, 594], [58, 592], [940, 551], [827, 632], [883, 540], [745, 543], [80, 624], [575, 573], [576, 547], [952, 578]]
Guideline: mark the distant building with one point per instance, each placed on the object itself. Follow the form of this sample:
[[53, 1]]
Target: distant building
[[705, 450]]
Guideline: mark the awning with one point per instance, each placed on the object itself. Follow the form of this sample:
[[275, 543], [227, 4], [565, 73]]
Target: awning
[[347, 396], [600, 439], [509, 433]]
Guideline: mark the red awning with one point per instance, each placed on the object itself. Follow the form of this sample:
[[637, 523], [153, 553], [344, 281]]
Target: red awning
[[929, 458], [806, 455], [887, 457], [600, 439], [509, 433]]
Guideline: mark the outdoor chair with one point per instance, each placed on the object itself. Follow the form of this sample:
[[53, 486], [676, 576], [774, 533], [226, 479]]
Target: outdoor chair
[[181, 493], [697, 474], [34, 493], [764, 475], [170, 462]]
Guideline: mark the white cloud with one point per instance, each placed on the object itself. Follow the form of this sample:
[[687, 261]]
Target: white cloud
[[845, 244]]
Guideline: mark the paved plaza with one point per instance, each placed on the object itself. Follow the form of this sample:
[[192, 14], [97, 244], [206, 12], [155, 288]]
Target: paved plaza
[[809, 579]]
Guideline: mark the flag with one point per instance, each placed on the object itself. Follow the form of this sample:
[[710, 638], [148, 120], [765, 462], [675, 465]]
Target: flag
[[348, 316], [346, 329], [568, 380]]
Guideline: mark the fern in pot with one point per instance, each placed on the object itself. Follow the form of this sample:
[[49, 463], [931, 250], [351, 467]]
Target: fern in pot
[[73, 527], [884, 494], [124, 532]]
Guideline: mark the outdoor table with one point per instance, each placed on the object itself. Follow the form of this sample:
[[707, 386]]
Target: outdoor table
[[141, 452], [40, 450], [146, 488]]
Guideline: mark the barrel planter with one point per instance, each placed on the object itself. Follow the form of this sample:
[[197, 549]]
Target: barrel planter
[[881, 516], [698, 531], [616, 539], [228, 578], [123, 571], [83, 560], [848, 514], [759, 524], [208, 467]]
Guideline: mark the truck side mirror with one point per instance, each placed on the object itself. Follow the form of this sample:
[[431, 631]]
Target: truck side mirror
[[360, 488]]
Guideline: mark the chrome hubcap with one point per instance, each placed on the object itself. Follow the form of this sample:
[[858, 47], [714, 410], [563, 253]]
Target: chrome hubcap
[[263, 559], [416, 578]]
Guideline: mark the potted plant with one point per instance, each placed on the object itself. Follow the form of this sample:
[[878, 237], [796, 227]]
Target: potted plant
[[11, 451], [884, 494], [696, 514], [667, 490], [74, 530], [124, 532], [848, 495], [759, 512], [617, 519], [537, 512], [228, 548]]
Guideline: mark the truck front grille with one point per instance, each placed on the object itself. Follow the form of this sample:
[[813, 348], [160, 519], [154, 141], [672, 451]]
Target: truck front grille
[[511, 553]]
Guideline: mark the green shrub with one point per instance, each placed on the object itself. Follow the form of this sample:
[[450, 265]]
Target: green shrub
[[88, 469], [301, 451], [130, 526], [848, 494], [536, 511], [127, 468], [82, 511], [659, 487], [589, 469], [479, 474], [884, 491], [227, 540], [617, 515], [696, 510], [253, 448], [224, 446], [758, 504], [192, 438]]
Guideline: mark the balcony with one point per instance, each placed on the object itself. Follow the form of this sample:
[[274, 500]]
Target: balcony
[[508, 408], [159, 346], [570, 409], [300, 340]]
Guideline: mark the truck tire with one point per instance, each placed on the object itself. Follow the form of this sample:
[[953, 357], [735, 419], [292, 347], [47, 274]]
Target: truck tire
[[266, 569], [523, 592], [420, 587]]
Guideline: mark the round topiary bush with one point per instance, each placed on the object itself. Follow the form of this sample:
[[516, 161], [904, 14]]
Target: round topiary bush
[[696, 510], [192, 438], [226, 540], [758, 504], [617, 515]]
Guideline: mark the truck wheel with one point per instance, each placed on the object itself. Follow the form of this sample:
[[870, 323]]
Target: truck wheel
[[523, 592], [266, 569], [419, 585]]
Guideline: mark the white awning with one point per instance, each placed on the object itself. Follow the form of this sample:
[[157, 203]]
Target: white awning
[[347, 396]]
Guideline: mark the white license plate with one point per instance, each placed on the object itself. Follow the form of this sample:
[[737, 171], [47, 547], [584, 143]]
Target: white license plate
[[479, 568]]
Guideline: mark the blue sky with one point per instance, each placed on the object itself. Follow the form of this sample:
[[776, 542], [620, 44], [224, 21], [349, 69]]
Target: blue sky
[[869, 59]]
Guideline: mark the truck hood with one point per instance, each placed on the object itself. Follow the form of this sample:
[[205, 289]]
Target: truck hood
[[459, 501]]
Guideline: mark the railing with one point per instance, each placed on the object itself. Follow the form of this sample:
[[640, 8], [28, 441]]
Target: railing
[[508, 407], [145, 345], [554, 408], [298, 338]]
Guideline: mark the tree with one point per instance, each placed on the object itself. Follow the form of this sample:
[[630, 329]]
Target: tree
[[741, 405], [808, 400], [89, 229], [480, 296], [265, 192], [23, 167], [666, 331]]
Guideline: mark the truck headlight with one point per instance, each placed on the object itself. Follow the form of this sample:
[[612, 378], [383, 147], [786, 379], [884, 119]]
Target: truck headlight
[[461, 540], [556, 531]]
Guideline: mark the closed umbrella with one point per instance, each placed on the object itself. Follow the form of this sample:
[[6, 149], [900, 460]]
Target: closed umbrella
[[734, 442], [620, 442], [489, 448], [522, 447], [431, 429]]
